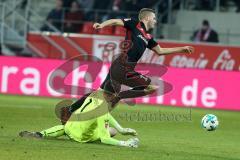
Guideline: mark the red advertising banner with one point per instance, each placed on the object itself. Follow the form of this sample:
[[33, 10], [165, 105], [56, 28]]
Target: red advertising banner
[[216, 57], [191, 87]]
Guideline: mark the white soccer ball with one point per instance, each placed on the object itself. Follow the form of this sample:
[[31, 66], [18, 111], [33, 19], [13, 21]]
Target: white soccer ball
[[210, 122]]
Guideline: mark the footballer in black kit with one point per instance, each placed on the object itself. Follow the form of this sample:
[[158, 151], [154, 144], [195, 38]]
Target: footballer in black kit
[[122, 70]]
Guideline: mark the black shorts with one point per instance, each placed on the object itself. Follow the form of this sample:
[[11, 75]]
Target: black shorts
[[124, 74]]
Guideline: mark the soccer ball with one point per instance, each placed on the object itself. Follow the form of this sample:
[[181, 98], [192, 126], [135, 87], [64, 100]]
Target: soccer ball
[[210, 122]]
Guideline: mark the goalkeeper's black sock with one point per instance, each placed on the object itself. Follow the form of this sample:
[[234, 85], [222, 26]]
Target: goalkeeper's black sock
[[78, 103]]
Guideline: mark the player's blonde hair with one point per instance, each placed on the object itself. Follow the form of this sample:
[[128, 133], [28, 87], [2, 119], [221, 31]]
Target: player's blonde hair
[[144, 12]]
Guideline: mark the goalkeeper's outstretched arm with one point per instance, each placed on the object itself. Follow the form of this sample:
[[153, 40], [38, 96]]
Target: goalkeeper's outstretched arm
[[132, 142], [120, 129]]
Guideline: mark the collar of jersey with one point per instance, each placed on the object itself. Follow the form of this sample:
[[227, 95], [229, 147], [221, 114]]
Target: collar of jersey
[[143, 26]]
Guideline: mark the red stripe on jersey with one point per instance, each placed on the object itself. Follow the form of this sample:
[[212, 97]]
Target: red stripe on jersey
[[145, 34], [129, 35]]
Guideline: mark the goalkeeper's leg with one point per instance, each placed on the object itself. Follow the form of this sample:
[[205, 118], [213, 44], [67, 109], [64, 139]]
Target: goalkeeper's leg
[[54, 132]]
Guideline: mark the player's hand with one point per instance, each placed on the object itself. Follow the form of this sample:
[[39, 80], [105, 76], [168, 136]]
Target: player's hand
[[188, 49], [97, 26], [129, 131]]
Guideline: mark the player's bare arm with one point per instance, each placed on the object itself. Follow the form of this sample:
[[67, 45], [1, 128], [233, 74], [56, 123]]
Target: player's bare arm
[[110, 22], [165, 51]]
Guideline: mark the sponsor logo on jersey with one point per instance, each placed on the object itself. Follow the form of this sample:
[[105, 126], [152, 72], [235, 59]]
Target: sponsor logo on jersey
[[144, 39], [127, 19]]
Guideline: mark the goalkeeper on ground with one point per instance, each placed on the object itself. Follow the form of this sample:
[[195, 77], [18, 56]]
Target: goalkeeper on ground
[[90, 123]]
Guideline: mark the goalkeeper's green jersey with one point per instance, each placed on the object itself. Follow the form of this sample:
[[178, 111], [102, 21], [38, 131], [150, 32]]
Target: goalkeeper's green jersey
[[90, 122]]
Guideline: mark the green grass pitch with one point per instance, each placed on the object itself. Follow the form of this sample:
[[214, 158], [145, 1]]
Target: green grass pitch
[[165, 133]]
